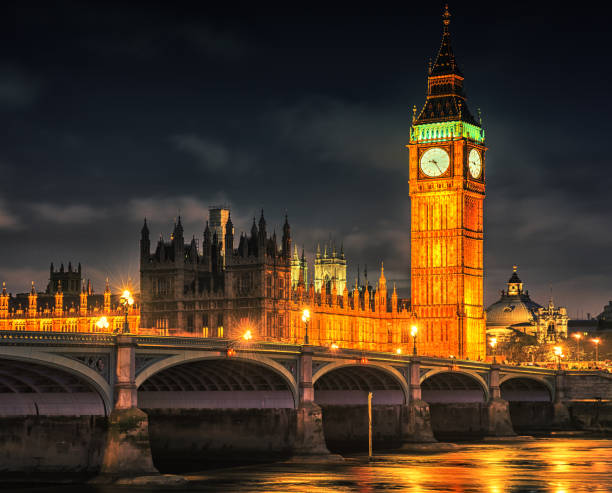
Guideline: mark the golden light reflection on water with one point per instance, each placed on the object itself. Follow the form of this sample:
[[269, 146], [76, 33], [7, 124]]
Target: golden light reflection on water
[[542, 466]]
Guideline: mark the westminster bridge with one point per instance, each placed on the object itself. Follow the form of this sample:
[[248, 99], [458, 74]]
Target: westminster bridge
[[75, 401]]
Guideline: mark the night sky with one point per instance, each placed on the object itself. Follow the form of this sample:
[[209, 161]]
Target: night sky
[[112, 113]]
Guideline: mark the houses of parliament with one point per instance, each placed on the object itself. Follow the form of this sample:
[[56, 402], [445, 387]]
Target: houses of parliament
[[258, 282]]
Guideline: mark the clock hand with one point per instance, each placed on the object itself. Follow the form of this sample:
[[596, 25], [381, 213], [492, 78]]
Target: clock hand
[[436, 164]]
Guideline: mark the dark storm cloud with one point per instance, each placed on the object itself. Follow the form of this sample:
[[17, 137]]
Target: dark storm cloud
[[116, 111], [17, 88]]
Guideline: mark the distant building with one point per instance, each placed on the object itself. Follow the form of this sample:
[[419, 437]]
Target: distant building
[[515, 314], [606, 315], [60, 311]]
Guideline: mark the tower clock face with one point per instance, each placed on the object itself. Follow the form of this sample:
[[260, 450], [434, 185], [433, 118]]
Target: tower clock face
[[475, 163], [435, 162]]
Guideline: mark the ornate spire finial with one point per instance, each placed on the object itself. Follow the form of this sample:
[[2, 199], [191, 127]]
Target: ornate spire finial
[[514, 268], [414, 110], [446, 18]]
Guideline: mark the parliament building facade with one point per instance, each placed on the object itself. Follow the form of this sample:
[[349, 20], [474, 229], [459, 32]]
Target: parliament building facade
[[258, 283]]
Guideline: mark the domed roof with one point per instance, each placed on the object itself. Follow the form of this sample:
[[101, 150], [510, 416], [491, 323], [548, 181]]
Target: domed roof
[[514, 307], [511, 310]]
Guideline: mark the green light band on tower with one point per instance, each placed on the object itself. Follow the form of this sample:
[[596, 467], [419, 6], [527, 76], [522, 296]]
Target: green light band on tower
[[441, 131]]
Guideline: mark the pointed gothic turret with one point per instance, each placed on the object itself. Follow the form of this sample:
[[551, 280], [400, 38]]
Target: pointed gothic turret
[[107, 297], [59, 300], [287, 238], [229, 238], [32, 302], [145, 242], [83, 299], [394, 300], [4, 302]]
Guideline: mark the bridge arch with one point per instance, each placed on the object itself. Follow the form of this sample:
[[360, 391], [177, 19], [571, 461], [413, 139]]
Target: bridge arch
[[387, 384], [521, 388], [196, 379], [50, 378], [441, 385]]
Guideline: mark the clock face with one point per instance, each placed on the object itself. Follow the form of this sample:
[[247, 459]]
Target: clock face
[[475, 163], [435, 162]]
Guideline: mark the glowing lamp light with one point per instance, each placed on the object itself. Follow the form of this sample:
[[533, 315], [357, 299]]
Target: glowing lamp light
[[577, 335], [596, 340], [305, 315], [493, 342], [413, 330], [231, 352], [247, 336], [364, 361], [126, 298], [398, 350], [334, 347], [102, 323], [558, 351]]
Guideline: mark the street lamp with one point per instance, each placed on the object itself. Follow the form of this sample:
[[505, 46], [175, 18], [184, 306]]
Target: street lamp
[[596, 341], [126, 300], [305, 319], [398, 351], [413, 332], [559, 355], [102, 323], [247, 336], [493, 344], [577, 336]]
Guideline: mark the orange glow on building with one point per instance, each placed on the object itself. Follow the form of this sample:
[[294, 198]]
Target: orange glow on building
[[447, 190]]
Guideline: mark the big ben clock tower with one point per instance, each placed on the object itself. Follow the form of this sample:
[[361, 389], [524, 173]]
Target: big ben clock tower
[[447, 189]]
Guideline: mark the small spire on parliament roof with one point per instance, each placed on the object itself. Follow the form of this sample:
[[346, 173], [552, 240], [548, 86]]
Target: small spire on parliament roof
[[107, 287], [33, 290], [3, 288]]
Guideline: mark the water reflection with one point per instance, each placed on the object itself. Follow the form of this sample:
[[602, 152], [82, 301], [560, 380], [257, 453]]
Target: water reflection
[[547, 465]]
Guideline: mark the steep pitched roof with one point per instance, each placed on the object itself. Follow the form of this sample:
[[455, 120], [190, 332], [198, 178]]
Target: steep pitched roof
[[446, 100]]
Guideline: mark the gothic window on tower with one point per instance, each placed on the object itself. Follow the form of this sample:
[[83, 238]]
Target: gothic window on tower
[[269, 286]]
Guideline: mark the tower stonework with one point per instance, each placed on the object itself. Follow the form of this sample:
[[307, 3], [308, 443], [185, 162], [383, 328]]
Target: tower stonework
[[447, 190]]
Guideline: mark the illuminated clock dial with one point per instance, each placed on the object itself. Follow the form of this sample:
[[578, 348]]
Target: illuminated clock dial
[[475, 163], [435, 162]]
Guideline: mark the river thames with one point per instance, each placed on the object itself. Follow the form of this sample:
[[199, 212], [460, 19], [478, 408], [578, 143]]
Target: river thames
[[555, 465]]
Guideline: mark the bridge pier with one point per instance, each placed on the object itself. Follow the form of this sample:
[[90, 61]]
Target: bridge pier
[[499, 423], [127, 451], [309, 438], [561, 416], [415, 417]]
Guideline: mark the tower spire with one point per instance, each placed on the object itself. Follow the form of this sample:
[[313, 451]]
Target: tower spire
[[446, 99]]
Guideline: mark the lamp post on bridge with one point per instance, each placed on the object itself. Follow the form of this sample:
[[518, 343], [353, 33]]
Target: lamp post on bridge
[[305, 319], [559, 355], [413, 332], [596, 341], [493, 344], [577, 336], [126, 300]]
